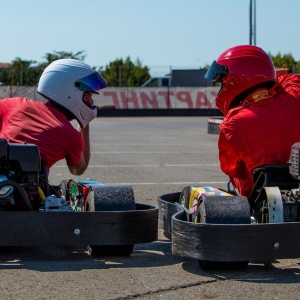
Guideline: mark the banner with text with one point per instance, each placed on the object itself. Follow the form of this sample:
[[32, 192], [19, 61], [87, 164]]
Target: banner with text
[[157, 98], [137, 98]]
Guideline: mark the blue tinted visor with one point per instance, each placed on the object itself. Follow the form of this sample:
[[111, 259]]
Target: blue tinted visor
[[91, 83], [216, 72]]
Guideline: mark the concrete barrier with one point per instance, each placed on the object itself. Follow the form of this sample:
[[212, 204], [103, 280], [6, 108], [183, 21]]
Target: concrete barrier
[[213, 125], [175, 112]]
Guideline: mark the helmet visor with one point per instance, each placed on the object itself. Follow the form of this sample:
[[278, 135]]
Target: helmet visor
[[216, 72], [91, 83]]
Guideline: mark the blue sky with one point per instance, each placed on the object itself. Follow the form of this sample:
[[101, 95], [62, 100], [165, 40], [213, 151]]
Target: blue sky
[[163, 34]]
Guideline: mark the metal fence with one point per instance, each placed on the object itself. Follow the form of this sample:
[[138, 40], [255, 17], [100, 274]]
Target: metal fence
[[28, 92]]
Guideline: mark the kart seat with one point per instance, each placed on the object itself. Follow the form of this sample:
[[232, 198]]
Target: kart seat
[[272, 175]]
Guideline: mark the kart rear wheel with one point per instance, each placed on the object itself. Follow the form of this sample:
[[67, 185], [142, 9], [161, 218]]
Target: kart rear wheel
[[110, 198], [224, 210]]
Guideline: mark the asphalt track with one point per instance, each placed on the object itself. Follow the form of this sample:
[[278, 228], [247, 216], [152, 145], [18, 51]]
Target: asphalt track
[[156, 155]]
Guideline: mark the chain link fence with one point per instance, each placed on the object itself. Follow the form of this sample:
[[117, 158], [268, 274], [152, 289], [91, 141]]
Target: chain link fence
[[28, 92]]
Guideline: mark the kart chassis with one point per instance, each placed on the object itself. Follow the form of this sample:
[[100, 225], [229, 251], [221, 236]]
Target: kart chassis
[[262, 228], [82, 212]]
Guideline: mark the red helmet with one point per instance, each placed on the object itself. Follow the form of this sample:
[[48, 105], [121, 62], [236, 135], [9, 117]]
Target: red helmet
[[240, 69]]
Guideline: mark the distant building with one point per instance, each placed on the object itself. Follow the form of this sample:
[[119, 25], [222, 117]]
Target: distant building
[[5, 65], [280, 71]]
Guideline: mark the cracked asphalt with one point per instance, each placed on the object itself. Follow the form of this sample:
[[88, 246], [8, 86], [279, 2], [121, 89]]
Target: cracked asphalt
[[156, 155]]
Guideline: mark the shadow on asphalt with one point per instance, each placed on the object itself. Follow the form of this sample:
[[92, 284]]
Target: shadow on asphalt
[[255, 272], [47, 259]]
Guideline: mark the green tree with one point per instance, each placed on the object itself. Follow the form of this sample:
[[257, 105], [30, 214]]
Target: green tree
[[297, 67], [4, 76], [284, 61], [28, 72], [125, 73], [22, 72], [50, 57]]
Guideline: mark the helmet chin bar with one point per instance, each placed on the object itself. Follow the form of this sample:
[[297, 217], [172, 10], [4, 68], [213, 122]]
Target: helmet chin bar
[[85, 116]]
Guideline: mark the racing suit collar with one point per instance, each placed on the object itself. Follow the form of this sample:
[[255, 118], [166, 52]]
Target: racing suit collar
[[258, 95]]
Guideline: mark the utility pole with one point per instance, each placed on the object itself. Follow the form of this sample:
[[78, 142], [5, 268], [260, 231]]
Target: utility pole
[[21, 73], [252, 23], [120, 75]]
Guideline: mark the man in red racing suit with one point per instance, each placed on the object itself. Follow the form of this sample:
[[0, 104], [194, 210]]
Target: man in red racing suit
[[27, 121], [68, 86], [262, 118]]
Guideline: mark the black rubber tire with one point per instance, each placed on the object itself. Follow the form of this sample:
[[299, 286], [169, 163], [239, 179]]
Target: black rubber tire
[[110, 198], [224, 210]]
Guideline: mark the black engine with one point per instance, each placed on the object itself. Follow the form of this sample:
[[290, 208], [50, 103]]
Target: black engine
[[20, 167]]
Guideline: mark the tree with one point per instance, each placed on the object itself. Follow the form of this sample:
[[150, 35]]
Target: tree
[[22, 72], [125, 73], [28, 72], [284, 61], [4, 75], [50, 57]]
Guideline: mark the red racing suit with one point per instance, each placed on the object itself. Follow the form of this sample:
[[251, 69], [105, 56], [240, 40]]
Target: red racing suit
[[23, 120], [260, 131]]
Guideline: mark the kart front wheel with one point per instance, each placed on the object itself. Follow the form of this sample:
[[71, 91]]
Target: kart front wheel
[[110, 198], [224, 210]]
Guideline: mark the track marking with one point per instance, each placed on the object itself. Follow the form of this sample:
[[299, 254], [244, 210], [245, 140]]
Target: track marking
[[145, 144], [146, 166], [150, 152]]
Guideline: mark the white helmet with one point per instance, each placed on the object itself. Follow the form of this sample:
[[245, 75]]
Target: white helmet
[[65, 80]]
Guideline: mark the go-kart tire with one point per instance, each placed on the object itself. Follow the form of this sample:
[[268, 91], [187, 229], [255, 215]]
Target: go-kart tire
[[110, 198], [224, 210], [110, 250]]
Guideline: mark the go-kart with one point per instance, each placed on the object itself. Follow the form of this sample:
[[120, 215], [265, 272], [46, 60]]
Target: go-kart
[[104, 218], [221, 229]]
